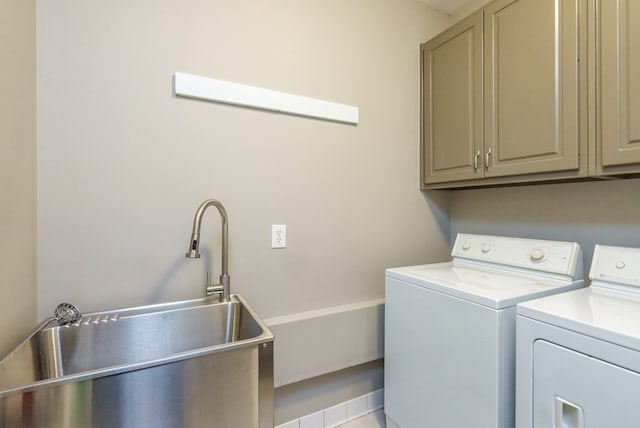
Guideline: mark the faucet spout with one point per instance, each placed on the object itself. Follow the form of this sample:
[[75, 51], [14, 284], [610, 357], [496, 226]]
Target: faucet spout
[[194, 246]]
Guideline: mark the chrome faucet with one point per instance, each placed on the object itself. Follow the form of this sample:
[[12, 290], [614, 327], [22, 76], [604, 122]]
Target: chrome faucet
[[194, 245]]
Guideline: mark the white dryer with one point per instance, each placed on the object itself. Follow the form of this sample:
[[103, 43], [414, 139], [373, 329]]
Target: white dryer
[[578, 353], [450, 329]]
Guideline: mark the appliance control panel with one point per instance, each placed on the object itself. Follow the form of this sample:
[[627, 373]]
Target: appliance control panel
[[617, 265], [556, 257]]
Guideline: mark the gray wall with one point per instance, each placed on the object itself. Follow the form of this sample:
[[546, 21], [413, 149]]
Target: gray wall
[[308, 396], [604, 212], [17, 171], [471, 7], [123, 164]]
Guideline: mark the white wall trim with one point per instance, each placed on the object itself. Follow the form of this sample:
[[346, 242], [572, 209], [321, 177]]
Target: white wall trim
[[314, 343], [203, 88], [300, 316]]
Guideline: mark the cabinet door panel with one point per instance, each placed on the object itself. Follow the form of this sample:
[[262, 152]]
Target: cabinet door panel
[[452, 103], [619, 82], [531, 86]]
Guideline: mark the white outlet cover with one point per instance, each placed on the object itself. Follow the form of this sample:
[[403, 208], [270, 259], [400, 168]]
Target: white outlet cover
[[278, 236]]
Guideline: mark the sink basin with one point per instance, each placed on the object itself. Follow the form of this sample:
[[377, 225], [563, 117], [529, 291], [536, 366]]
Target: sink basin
[[213, 362]]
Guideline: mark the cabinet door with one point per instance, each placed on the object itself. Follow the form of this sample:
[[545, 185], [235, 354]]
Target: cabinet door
[[452, 103], [619, 82], [531, 86]]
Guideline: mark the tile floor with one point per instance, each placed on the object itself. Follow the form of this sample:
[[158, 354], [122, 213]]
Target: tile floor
[[370, 420], [366, 411]]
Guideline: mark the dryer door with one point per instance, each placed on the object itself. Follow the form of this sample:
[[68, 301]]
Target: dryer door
[[574, 390]]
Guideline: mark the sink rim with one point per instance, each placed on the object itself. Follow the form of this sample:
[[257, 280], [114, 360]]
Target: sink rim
[[265, 336]]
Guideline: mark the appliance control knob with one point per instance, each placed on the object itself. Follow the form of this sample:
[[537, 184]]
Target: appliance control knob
[[538, 254], [620, 265], [466, 246], [485, 248]]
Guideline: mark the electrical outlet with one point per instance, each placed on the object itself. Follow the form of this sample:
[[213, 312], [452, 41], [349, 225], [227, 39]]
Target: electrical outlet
[[278, 236]]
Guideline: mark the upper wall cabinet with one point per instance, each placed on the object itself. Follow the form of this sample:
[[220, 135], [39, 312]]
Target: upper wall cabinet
[[501, 96], [531, 86], [452, 103], [618, 86]]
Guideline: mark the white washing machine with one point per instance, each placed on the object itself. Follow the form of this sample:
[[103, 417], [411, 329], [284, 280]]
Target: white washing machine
[[578, 353], [450, 329]]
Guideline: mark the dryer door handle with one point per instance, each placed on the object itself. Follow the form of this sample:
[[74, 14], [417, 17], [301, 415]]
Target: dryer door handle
[[568, 414]]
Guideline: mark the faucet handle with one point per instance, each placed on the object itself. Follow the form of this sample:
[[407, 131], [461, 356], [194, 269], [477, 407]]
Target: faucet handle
[[213, 288], [217, 290]]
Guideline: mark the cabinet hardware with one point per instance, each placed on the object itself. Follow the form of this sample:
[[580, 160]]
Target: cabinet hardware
[[486, 159], [475, 161]]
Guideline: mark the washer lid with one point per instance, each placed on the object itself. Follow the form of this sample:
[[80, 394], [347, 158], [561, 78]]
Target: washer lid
[[485, 286], [606, 314]]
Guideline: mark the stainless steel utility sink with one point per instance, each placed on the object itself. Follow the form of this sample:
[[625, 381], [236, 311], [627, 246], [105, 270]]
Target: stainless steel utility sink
[[186, 364]]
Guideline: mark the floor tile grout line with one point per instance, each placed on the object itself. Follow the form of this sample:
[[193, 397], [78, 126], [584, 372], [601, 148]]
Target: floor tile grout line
[[373, 402]]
